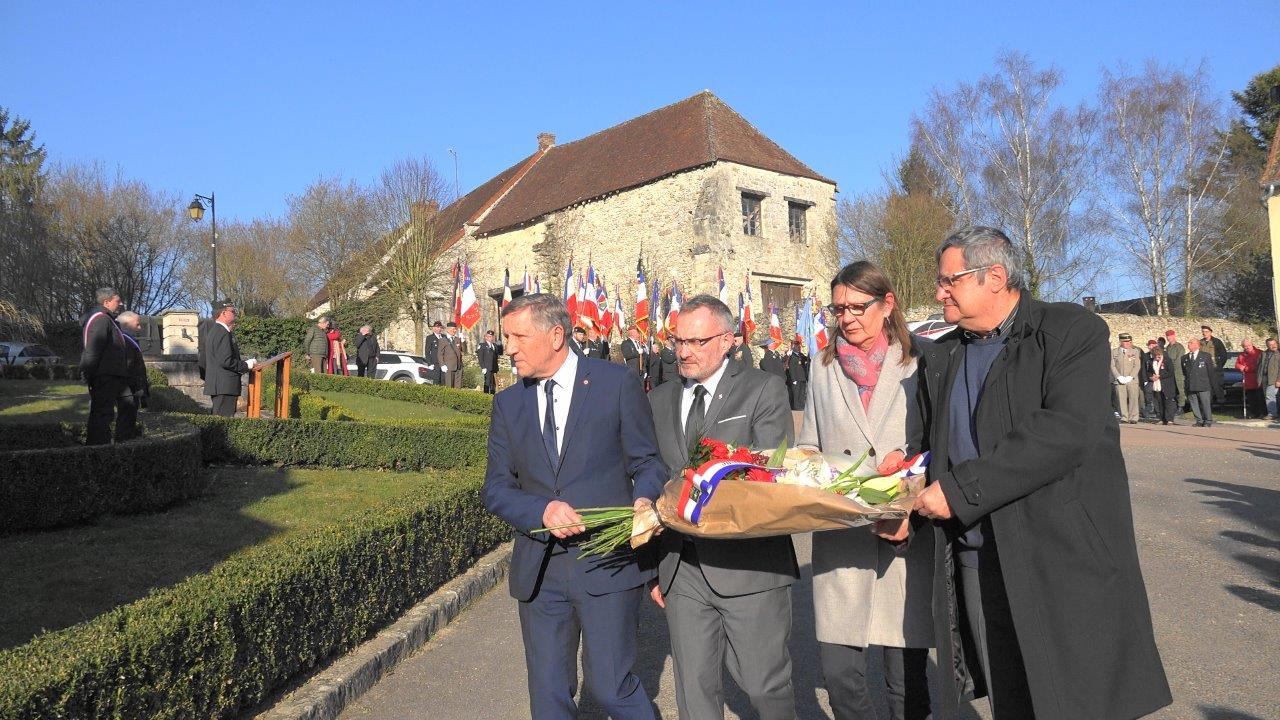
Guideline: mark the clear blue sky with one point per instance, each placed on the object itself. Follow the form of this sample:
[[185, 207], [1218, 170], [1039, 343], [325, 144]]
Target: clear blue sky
[[256, 100]]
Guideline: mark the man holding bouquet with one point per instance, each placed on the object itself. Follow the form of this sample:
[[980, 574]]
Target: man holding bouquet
[[1038, 595], [574, 432], [726, 600]]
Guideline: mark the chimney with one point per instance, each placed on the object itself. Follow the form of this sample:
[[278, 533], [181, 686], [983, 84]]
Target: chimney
[[546, 140], [421, 211]]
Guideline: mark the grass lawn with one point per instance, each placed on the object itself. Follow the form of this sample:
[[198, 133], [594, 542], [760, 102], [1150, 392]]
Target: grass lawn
[[43, 401], [376, 408], [54, 579]]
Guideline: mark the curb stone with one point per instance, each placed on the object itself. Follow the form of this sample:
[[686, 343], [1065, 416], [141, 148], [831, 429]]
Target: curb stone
[[325, 695]]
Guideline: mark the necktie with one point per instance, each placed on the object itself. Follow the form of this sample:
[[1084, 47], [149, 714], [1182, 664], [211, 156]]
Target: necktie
[[549, 424], [697, 413]]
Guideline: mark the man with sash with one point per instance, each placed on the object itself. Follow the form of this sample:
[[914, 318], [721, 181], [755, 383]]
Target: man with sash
[[104, 365]]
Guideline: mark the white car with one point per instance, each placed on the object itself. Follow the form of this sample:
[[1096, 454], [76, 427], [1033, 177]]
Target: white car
[[931, 329], [396, 365], [21, 353]]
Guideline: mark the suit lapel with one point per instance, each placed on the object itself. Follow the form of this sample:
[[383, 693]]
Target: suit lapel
[[727, 382], [678, 424], [581, 388], [528, 417]]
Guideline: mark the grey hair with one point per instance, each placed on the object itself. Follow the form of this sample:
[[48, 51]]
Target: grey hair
[[985, 246], [104, 294], [365, 327], [129, 317], [548, 311], [712, 304]]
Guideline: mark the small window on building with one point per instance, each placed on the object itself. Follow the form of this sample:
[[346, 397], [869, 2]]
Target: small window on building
[[751, 214], [795, 221]]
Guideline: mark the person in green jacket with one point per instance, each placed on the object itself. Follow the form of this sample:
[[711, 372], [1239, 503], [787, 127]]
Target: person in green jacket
[[316, 345]]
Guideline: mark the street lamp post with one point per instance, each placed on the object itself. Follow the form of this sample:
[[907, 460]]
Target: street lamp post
[[196, 211]]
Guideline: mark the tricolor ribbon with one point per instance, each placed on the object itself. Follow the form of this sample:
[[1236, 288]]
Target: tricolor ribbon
[[701, 484], [914, 467]]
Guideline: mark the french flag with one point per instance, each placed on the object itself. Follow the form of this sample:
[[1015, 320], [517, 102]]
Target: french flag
[[571, 293], [602, 305], [820, 337], [775, 329], [673, 312], [642, 300], [724, 292], [506, 286], [588, 303], [748, 322], [527, 285], [469, 309]]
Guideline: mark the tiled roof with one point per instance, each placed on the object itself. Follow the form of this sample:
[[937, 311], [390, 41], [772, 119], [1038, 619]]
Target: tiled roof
[[693, 132]]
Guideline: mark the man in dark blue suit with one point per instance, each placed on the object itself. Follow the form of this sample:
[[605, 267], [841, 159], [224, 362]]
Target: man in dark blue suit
[[575, 432]]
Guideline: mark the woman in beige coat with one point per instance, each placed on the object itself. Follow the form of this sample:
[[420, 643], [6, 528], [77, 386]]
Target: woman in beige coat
[[869, 587]]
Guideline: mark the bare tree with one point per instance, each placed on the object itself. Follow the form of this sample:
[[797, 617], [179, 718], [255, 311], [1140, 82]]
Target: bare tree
[[1164, 158], [332, 223], [407, 183], [255, 269], [1009, 155], [414, 274]]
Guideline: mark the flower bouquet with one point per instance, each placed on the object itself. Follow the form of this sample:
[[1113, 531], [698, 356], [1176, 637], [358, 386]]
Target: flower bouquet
[[733, 492]]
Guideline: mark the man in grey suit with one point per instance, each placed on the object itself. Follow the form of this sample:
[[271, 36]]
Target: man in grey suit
[[723, 594]]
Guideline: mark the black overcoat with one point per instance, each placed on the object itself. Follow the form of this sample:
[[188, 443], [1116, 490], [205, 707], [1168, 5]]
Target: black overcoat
[[1051, 476]]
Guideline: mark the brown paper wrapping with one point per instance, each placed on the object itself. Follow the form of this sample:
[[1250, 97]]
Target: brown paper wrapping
[[746, 509]]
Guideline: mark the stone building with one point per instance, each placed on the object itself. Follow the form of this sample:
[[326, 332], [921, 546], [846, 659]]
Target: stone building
[[693, 186]]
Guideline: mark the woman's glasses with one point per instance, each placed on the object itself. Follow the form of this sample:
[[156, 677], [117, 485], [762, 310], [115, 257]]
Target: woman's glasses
[[854, 309]]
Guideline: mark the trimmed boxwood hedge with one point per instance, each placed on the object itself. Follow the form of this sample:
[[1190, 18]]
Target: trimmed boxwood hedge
[[64, 485], [339, 444], [465, 401], [219, 643], [40, 436]]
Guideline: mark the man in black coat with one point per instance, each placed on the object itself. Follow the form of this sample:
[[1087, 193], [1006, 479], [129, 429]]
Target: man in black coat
[[597, 347], [1197, 381], [771, 361], [635, 355], [1214, 347], [578, 342], [797, 368], [139, 386], [431, 351], [104, 365], [741, 352], [653, 366], [367, 353], [223, 365], [670, 363], [1038, 595], [487, 354]]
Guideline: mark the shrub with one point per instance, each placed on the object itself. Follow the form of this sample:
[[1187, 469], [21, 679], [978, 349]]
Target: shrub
[[220, 642], [172, 400], [157, 378], [339, 444], [15, 372], [40, 436], [39, 372], [65, 485], [466, 401]]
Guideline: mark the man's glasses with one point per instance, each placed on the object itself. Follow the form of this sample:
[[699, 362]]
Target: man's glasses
[[948, 281], [694, 343], [854, 309]]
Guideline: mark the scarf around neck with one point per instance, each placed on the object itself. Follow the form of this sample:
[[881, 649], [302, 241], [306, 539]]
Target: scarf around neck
[[862, 367]]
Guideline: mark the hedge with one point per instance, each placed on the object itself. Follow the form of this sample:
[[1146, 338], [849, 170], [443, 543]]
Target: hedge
[[40, 436], [339, 444], [465, 401], [61, 486], [221, 642]]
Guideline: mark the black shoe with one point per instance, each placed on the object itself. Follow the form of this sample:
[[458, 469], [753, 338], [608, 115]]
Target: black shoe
[[1166, 422]]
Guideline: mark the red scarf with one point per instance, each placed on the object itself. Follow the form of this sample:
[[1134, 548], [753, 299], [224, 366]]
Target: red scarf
[[862, 367]]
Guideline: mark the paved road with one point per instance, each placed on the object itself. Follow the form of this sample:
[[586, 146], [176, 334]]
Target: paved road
[[1207, 512]]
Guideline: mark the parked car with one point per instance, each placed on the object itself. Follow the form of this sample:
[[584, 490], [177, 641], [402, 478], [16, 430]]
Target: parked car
[[397, 365], [21, 353], [931, 329], [1232, 384]]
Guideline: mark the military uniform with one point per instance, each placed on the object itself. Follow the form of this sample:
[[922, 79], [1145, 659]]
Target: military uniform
[[1126, 368]]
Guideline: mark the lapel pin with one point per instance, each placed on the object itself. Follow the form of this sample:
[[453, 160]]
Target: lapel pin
[[586, 381], [720, 397]]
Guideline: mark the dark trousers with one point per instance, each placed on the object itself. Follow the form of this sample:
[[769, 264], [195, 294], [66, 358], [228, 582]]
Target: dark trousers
[[225, 405], [366, 369], [490, 383], [1166, 408], [110, 399], [1148, 408], [1254, 403], [319, 363], [844, 669], [556, 620], [991, 625]]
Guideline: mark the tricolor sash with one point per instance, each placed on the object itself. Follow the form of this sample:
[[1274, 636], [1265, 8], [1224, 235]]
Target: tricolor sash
[[701, 484], [914, 467]]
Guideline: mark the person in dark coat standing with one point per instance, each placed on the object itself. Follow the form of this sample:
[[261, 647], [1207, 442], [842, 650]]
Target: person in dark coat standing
[[797, 367], [1038, 594], [223, 365], [104, 365], [771, 361], [367, 353], [449, 358], [578, 343], [741, 352], [1218, 351], [139, 386], [1163, 387], [316, 345], [597, 347], [487, 354], [635, 354], [1197, 380], [653, 366], [670, 363], [431, 351]]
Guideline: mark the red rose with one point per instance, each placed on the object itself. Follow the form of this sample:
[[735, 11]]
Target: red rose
[[760, 475], [744, 455], [719, 450]]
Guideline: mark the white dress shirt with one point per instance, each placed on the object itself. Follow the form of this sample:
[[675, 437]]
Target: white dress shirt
[[686, 395], [563, 395]]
